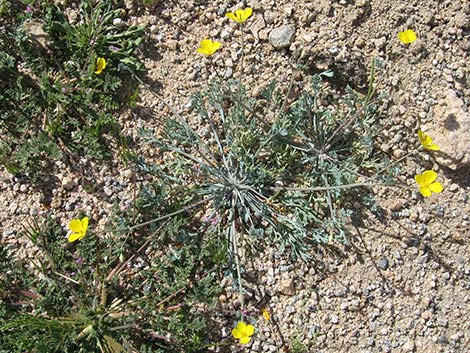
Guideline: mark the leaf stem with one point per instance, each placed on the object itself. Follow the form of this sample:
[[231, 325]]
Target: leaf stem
[[233, 233], [184, 209]]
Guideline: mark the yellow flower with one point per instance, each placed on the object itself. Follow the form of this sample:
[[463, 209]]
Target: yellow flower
[[427, 183], [427, 142], [243, 332], [78, 228], [407, 37], [240, 16], [208, 47], [266, 314], [100, 65]]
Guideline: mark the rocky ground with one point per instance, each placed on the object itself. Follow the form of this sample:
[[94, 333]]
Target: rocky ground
[[403, 282]]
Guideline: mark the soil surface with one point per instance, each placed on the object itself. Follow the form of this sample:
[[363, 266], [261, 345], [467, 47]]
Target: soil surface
[[402, 284]]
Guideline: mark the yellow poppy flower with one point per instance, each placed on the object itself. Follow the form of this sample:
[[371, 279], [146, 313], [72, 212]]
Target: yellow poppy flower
[[407, 37], [243, 332], [240, 16], [427, 142], [427, 183], [266, 314], [100, 65], [78, 228], [208, 47]]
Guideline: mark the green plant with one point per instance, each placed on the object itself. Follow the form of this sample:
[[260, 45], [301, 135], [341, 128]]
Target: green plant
[[296, 346], [104, 294], [150, 3], [271, 171], [53, 100]]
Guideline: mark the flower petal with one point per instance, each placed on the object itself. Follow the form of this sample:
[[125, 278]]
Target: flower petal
[[75, 236], [216, 46], [242, 15], [208, 47], [100, 65], [239, 14], [241, 326], [407, 36], [204, 46], [424, 139], [236, 333], [232, 16], [248, 12], [424, 190], [245, 340], [249, 330], [84, 225], [427, 142], [436, 187], [206, 43], [420, 136], [266, 314], [75, 225], [419, 179], [429, 177]]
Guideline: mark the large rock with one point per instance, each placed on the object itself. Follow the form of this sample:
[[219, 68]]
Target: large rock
[[282, 37], [451, 132]]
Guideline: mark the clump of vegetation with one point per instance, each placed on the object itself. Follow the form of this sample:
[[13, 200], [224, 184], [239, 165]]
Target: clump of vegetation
[[57, 98], [108, 294], [271, 171]]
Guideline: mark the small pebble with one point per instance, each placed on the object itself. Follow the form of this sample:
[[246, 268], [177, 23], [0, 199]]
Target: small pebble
[[383, 264], [224, 34], [282, 37], [118, 22]]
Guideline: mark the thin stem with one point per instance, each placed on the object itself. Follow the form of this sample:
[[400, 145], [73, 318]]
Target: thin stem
[[330, 205], [371, 89], [190, 157], [217, 140], [395, 162], [184, 209], [126, 326], [235, 99], [370, 92], [172, 295], [67, 278], [289, 89], [181, 120], [243, 51], [121, 265], [324, 188], [233, 233]]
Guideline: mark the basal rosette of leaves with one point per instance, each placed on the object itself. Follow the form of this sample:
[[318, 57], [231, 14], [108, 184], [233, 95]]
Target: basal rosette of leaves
[[269, 171], [50, 89]]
